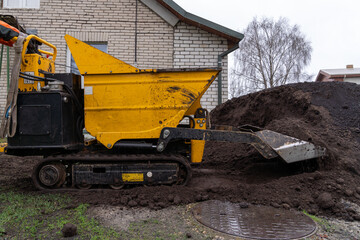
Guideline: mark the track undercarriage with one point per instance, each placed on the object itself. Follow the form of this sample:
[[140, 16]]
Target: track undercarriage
[[85, 171]]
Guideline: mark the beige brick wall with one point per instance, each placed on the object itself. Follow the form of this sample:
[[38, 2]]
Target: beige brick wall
[[113, 21], [196, 48]]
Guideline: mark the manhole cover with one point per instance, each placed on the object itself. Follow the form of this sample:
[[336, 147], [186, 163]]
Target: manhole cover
[[255, 222]]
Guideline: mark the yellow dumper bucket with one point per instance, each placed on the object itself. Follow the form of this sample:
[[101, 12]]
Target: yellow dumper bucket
[[124, 102]]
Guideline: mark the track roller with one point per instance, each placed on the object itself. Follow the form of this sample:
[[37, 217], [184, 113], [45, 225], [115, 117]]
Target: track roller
[[51, 175], [84, 186], [116, 186]]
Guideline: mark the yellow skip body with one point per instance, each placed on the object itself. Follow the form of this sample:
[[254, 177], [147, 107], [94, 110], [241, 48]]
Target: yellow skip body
[[124, 102]]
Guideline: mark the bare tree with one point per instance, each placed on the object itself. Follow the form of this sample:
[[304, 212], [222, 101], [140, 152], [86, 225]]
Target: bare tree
[[271, 54]]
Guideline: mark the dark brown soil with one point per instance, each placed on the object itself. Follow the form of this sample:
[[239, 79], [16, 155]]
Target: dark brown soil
[[327, 114]]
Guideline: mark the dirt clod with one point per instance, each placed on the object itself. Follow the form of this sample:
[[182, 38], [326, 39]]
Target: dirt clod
[[243, 205], [204, 197], [143, 203], [177, 200], [198, 198], [340, 181], [69, 230], [124, 200], [170, 198], [286, 206], [325, 200], [161, 204], [132, 203], [275, 205], [348, 192]]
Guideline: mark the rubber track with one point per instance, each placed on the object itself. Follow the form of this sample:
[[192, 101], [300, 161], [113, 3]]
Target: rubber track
[[90, 158]]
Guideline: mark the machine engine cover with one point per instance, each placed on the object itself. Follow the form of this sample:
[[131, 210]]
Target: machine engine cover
[[47, 121]]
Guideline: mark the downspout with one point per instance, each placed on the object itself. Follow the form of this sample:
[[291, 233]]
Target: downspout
[[220, 57], [1, 58], [7, 63], [8, 66], [136, 31]]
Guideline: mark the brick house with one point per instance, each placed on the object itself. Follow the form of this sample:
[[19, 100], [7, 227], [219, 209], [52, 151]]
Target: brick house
[[348, 74], [143, 33]]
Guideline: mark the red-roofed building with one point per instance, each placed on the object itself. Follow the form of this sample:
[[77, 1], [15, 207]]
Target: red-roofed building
[[348, 74]]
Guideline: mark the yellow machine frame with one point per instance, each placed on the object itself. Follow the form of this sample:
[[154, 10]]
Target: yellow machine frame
[[34, 64]]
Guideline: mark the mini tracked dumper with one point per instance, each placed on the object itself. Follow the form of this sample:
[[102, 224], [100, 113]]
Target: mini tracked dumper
[[135, 118]]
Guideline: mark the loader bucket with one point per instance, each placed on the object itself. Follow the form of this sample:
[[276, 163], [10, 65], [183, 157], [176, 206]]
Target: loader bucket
[[290, 149], [124, 102]]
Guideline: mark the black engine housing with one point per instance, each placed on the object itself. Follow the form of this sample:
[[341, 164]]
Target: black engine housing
[[48, 122]]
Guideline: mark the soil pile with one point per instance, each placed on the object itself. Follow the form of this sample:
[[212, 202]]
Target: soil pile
[[326, 114]]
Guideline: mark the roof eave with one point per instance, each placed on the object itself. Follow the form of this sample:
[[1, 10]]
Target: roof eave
[[321, 73], [338, 75], [332, 76], [231, 35], [354, 75]]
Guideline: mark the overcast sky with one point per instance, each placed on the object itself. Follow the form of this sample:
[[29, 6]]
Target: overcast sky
[[332, 26]]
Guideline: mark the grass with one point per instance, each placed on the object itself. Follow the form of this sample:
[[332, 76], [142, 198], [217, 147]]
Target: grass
[[3, 140], [27, 216], [31, 215], [322, 222], [35, 216]]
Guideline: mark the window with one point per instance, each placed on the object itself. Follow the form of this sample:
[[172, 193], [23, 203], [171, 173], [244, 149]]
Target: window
[[21, 4]]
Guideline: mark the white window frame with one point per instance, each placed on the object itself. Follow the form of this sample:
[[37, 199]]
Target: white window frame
[[30, 4]]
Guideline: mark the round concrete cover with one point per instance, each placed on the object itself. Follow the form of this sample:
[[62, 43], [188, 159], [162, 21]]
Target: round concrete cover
[[254, 222]]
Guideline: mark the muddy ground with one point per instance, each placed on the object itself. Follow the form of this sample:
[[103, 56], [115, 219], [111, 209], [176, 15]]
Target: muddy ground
[[115, 210], [326, 114]]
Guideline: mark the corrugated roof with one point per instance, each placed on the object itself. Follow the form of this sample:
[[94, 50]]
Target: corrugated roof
[[202, 23]]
